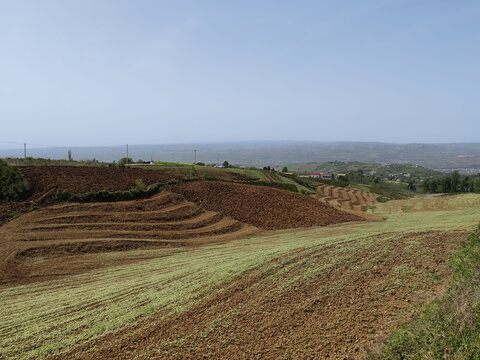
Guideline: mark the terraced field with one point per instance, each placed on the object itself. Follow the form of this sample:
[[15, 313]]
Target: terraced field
[[317, 292], [350, 199], [42, 240]]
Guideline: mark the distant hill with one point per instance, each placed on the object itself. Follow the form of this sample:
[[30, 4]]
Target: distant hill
[[433, 156], [382, 171]]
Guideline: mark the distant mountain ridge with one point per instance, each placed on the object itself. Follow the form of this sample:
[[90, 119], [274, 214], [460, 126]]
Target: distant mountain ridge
[[433, 156]]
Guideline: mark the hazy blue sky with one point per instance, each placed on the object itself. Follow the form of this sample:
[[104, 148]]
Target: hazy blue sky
[[113, 72]]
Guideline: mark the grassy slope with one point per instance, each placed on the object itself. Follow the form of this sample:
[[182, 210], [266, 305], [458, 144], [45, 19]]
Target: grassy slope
[[51, 317], [207, 172], [449, 327], [254, 174]]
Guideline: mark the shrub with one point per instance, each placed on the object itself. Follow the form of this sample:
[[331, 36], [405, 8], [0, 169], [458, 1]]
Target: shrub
[[13, 185], [124, 161], [139, 185], [139, 192]]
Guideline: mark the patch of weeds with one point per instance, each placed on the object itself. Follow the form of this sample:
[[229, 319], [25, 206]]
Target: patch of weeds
[[406, 208], [193, 172], [140, 185], [402, 270], [398, 283], [412, 247], [15, 214]]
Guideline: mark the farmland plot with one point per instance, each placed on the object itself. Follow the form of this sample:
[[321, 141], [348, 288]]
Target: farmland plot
[[303, 293]]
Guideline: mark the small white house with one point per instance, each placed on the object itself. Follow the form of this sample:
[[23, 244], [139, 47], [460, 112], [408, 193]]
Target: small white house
[[321, 175]]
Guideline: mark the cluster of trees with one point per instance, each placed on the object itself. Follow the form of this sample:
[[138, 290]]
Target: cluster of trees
[[13, 185], [284, 169], [452, 183], [360, 177]]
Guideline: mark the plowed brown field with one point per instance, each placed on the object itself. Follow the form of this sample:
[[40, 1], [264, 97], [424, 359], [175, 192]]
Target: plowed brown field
[[56, 237], [350, 199], [263, 207], [46, 181], [79, 179]]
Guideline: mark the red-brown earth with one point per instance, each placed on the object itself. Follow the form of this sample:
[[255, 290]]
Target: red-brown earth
[[260, 206]]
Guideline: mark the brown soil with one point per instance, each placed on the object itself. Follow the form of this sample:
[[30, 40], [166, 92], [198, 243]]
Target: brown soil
[[46, 181], [79, 179], [260, 206], [10, 209], [57, 237], [335, 315]]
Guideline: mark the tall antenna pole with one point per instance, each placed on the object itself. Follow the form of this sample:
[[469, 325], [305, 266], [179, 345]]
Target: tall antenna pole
[[25, 150], [195, 157], [127, 155]]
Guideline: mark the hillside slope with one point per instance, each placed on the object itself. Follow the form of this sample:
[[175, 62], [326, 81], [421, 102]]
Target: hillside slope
[[266, 208]]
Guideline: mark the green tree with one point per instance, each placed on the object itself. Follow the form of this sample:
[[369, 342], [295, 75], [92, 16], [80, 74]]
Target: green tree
[[12, 183], [455, 181], [124, 161], [226, 164], [476, 185], [411, 185], [466, 184], [446, 184], [427, 186], [284, 169]]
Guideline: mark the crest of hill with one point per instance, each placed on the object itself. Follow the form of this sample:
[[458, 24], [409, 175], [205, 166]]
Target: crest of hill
[[262, 207]]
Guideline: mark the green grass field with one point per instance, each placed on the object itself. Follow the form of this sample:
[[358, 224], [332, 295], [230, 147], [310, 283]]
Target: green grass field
[[52, 317]]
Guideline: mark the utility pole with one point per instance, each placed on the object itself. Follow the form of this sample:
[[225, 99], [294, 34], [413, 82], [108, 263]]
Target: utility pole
[[25, 150], [195, 157], [127, 155]]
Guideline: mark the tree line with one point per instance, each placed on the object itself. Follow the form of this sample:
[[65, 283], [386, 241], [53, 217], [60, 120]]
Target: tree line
[[452, 183]]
